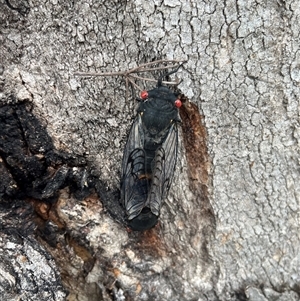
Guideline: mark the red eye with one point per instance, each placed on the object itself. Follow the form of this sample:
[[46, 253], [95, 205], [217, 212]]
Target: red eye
[[178, 103], [144, 94]]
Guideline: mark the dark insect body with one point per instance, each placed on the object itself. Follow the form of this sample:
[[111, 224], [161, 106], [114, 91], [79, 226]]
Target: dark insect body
[[150, 156]]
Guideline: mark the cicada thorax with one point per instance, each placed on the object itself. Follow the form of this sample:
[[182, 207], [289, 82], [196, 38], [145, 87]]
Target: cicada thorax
[[157, 115]]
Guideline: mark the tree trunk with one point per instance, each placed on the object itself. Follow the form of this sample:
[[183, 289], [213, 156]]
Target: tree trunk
[[229, 227]]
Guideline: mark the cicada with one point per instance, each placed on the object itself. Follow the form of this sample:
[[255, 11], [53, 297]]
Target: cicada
[[150, 156]]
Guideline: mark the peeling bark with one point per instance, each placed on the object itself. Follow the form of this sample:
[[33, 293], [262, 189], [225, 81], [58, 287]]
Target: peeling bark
[[229, 228]]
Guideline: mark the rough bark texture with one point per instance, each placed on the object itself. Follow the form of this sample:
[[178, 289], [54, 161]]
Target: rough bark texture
[[229, 229]]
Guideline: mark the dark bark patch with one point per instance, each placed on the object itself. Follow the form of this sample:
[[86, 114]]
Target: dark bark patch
[[31, 166], [199, 162], [194, 139], [22, 7], [32, 178]]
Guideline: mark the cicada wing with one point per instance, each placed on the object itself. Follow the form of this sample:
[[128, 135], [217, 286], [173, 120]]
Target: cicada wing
[[134, 188], [135, 140], [163, 171]]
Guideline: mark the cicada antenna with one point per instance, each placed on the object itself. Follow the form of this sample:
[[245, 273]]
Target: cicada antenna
[[131, 74], [160, 79]]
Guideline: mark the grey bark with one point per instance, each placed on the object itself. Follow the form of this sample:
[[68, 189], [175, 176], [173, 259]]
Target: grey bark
[[243, 73]]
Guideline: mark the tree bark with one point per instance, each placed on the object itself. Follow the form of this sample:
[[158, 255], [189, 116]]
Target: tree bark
[[229, 227]]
